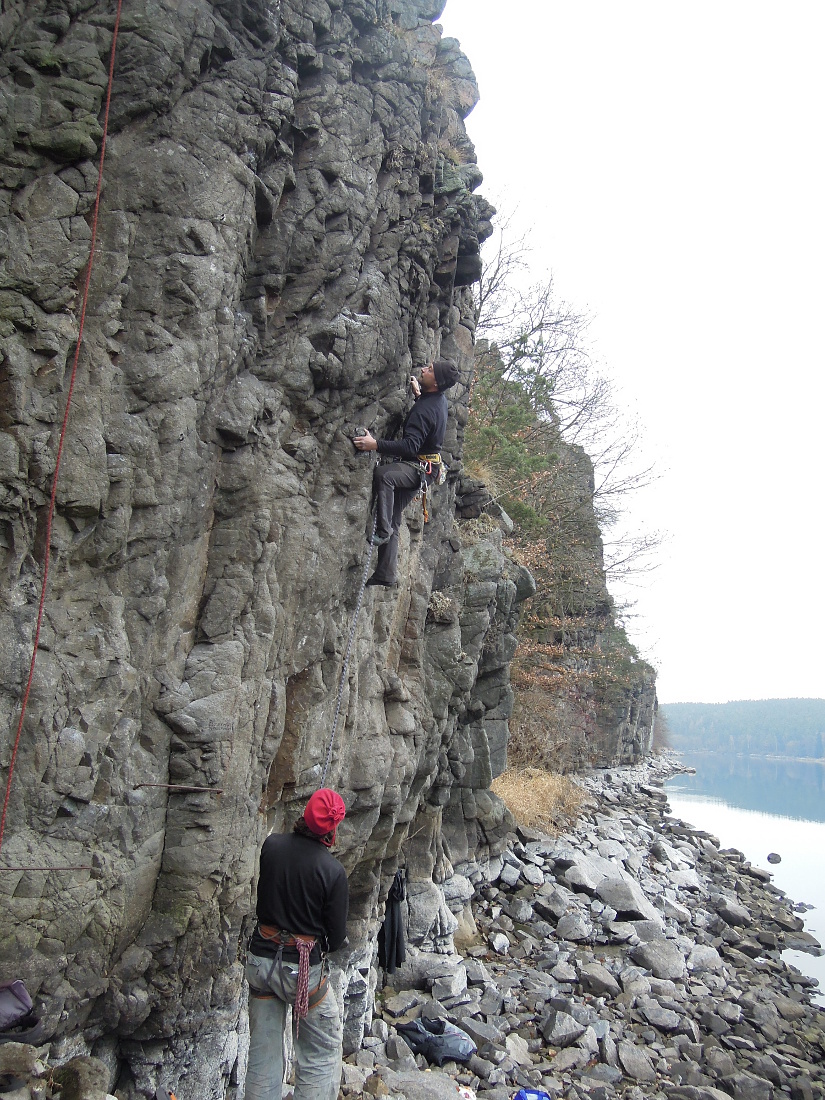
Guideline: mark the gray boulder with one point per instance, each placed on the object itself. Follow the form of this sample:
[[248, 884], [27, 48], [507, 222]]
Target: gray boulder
[[560, 1029], [482, 1033], [588, 871], [624, 894], [636, 1062], [664, 1019], [399, 1054], [697, 1092], [661, 957], [574, 926], [520, 910], [731, 911], [704, 958], [746, 1086], [415, 1084], [551, 902], [598, 980], [500, 944]]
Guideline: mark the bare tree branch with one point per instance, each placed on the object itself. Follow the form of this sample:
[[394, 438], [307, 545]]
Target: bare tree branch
[[538, 384]]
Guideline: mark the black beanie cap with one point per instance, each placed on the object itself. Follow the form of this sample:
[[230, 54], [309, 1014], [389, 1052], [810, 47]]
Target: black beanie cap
[[446, 374]]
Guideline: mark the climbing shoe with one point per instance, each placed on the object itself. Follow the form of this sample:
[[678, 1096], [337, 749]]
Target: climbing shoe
[[381, 583]]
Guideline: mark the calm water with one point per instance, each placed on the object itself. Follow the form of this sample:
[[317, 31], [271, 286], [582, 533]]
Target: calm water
[[761, 806]]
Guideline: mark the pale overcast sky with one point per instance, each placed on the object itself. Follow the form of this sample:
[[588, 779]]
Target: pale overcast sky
[[667, 161]]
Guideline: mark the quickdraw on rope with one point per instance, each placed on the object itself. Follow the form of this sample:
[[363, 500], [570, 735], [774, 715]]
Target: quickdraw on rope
[[345, 666], [425, 462], [53, 497]]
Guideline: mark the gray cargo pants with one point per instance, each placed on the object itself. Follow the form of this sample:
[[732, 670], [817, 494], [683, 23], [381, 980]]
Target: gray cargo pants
[[394, 486], [317, 1045]]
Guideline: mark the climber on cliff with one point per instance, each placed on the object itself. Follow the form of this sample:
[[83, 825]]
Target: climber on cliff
[[413, 457], [303, 899]]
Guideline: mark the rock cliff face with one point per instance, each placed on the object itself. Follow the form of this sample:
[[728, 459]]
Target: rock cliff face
[[584, 696], [287, 228]]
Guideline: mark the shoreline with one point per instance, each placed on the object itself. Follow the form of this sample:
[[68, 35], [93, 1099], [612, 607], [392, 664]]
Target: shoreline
[[630, 956], [773, 757]]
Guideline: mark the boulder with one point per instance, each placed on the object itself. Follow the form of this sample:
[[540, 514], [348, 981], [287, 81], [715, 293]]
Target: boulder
[[624, 894], [415, 1084], [574, 926], [517, 1049], [636, 1062], [702, 957], [598, 980], [482, 1033], [560, 1029], [746, 1086], [661, 957], [664, 1019], [731, 911]]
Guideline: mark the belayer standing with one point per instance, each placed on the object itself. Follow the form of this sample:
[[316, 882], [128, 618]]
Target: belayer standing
[[415, 456], [302, 914]]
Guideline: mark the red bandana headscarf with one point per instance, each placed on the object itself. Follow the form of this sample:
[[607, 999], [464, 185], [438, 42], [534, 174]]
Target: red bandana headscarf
[[324, 811]]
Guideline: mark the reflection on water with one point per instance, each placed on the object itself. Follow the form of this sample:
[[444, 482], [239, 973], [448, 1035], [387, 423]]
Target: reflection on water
[[760, 806], [786, 788]]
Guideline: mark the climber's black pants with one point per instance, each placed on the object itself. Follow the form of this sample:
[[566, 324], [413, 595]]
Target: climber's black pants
[[393, 486]]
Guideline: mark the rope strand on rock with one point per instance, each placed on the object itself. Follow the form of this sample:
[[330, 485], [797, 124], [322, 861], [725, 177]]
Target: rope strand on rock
[[345, 666], [53, 497]]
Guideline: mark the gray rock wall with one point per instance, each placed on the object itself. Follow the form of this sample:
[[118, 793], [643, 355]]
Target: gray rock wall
[[288, 226], [585, 698]]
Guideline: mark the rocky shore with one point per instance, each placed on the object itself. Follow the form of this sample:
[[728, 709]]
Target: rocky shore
[[630, 957]]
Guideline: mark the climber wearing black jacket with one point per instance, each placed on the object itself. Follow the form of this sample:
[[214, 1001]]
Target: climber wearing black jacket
[[302, 905], [397, 482]]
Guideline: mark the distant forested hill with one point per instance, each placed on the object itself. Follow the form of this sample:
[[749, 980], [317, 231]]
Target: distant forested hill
[[756, 727]]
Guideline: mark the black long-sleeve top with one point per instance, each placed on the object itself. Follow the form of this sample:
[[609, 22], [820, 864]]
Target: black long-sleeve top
[[302, 889], [423, 431]]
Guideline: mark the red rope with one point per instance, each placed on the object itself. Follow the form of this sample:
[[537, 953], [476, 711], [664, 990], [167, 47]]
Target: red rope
[[302, 986], [50, 514]]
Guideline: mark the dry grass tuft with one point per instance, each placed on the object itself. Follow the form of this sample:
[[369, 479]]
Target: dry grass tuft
[[471, 531], [480, 471], [442, 608], [539, 799]]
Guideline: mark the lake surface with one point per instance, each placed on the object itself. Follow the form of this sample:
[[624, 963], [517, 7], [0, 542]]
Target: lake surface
[[759, 806]]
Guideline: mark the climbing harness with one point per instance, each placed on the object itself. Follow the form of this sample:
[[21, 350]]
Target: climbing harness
[[345, 665], [439, 476], [72, 377], [426, 462], [305, 998]]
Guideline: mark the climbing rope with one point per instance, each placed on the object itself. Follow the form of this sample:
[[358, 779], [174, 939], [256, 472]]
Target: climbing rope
[[345, 666], [53, 497]]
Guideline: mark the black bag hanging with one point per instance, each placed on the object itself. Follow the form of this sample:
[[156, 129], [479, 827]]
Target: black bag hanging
[[391, 947]]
